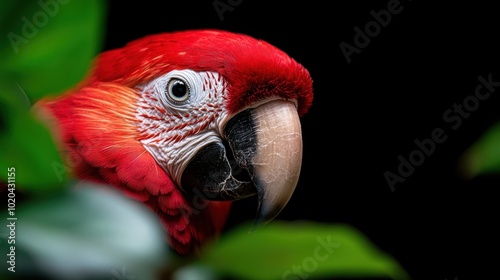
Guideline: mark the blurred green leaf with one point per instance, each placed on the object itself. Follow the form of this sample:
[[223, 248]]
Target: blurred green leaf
[[299, 250], [49, 44], [46, 48], [483, 156], [87, 232], [194, 271], [27, 144]]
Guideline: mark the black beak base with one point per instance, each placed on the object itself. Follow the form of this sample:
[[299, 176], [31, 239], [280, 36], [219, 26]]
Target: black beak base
[[210, 172], [265, 143]]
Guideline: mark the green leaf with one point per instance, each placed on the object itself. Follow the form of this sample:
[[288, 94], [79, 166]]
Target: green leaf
[[86, 232], [483, 156], [194, 271], [27, 145], [47, 46], [299, 250]]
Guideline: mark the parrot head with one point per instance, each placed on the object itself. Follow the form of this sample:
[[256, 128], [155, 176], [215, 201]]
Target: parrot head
[[187, 122]]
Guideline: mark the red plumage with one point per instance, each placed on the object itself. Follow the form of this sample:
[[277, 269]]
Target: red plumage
[[97, 125], [248, 64]]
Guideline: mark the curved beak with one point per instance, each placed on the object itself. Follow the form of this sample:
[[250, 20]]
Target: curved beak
[[266, 142]]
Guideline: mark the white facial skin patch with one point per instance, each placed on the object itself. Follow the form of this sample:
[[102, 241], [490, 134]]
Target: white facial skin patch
[[179, 113]]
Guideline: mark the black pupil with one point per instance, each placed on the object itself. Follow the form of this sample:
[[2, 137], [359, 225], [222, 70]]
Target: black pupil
[[179, 89]]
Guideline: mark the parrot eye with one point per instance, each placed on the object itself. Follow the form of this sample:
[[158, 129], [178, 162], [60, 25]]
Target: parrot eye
[[177, 90]]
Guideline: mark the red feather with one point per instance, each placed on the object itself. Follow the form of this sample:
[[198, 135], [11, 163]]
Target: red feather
[[97, 126], [253, 68]]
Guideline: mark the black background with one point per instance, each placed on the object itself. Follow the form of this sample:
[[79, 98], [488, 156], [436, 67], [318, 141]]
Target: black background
[[368, 112]]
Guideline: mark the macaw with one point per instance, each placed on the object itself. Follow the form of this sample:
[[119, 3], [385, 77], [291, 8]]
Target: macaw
[[169, 117]]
